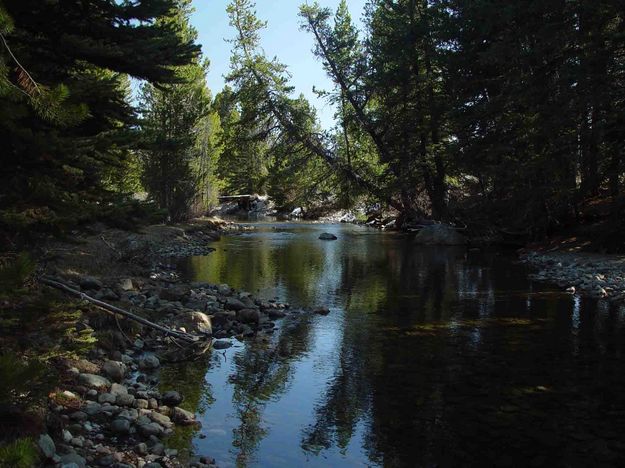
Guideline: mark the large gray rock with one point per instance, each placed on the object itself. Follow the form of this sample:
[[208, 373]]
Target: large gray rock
[[115, 370], [94, 381], [71, 460], [89, 282], [222, 344], [46, 444], [149, 362], [126, 285], [161, 419], [233, 303], [174, 293], [150, 429], [182, 417], [120, 426], [171, 398], [106, 398], [321, 310], [195, 322], [118, 389], [439, 234], [327, 236], [249, 316], [125, 400]]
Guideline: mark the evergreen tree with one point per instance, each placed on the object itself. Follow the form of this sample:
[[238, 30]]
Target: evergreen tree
[[174, 125], [66, 120]]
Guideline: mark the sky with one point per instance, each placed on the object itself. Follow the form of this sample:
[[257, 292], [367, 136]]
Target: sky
[[282, 38]]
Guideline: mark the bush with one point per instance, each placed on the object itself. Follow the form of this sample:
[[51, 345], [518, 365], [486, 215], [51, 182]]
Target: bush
[[21, 453]]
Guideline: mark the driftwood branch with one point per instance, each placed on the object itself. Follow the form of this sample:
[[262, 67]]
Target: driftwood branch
[[116, 310]]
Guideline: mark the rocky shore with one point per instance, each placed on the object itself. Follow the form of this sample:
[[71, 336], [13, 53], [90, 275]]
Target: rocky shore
[[107, 409], [594, 275]]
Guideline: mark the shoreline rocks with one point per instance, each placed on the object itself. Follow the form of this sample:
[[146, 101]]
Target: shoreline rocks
[[109, 409], [593, 275]]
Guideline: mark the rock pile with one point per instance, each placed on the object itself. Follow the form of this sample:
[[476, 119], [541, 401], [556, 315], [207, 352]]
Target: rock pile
[[597, 276]]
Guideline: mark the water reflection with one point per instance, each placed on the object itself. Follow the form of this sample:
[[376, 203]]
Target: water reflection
[[430, 357]]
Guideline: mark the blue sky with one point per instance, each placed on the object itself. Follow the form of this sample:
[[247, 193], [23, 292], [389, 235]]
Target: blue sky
[[282, 38]]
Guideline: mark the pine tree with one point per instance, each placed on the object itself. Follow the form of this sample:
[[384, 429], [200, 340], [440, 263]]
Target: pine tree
[[175, 123], [59, 144]]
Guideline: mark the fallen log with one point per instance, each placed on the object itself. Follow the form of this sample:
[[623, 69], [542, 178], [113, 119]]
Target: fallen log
[[124, 313]]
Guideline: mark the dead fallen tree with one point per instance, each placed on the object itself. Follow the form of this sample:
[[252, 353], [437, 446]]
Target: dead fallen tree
[[187, 337]]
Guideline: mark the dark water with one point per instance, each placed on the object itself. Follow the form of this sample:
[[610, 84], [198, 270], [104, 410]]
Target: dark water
[[430, 357]]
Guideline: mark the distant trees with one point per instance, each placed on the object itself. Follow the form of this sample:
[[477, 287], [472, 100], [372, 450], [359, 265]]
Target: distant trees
[[510, 112], [504, 103], [179, 148]]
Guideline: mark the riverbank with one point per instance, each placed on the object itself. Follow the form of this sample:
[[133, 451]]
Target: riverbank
[[600, 276], [107, 407]]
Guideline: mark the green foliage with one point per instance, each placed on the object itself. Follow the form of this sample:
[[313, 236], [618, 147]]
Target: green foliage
[[66, 123], [179, 149], [21, 453], [18, 377], [15, 272]]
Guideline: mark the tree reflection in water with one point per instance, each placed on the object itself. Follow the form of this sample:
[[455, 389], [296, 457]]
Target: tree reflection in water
[[436, 356]]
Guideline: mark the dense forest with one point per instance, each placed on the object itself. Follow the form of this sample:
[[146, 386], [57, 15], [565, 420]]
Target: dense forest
[[131, 312], [493, 115]]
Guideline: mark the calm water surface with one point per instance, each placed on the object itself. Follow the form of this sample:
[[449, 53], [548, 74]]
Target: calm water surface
[[430, 357]]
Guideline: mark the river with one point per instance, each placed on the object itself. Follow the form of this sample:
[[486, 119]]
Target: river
[[429, 357]]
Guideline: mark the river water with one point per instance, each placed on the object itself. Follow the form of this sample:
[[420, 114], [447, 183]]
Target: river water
[[429, 357]]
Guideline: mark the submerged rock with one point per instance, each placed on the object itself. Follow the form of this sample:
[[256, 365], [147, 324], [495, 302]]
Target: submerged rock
[[222, 344], [322, 310], [440, 234], [327, 236]]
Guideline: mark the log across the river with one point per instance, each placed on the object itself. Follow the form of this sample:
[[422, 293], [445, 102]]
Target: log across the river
[[244, 201]]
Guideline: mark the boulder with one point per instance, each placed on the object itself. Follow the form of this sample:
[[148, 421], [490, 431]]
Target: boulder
[[233, 303], [439, 234], [90, 283], [120, 426], [118, 389], [171, 398], [249, 316], [322, 310], [125, 400], [174, 293], [327, 236], [161, 419], [107, 398], [115, 370], [150, 429], [181, 416], [195, 322], [46, 444], [276, 314], [221, 344], [94, 381], [149, 362], [126, 285], [73, 459]]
